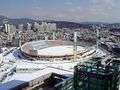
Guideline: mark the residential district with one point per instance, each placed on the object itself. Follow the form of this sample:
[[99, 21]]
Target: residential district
[[44, 56]]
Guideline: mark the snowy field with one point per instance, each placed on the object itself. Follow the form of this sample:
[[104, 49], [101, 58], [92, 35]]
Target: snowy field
[[49, 48], [59, 51]]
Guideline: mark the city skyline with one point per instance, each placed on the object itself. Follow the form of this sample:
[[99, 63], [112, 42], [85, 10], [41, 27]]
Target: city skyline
[[69, 10]]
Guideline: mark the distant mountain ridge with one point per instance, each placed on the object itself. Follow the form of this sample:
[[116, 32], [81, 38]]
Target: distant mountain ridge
[[95, 23], [60, 24]]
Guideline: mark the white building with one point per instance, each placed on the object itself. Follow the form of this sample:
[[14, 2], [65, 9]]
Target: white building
[[10, 28], [21, 27], [36, 25], [48, 26], [7, 28], [29, 26]]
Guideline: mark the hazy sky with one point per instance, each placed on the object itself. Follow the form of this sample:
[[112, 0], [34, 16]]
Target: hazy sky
[[71, 10]]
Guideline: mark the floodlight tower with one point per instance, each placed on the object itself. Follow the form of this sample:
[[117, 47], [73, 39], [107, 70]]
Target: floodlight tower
[[75, 46], [53, 35], [98, 37], [96, 29]]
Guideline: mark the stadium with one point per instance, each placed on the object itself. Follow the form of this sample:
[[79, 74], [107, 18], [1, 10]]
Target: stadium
[[54, 50], [34, 62]]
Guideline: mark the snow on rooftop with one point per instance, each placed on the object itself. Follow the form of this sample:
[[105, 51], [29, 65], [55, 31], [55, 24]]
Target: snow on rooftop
[[59, 50], [10, 56], [10, 84], [21, 64], [30, 76], [18, 79]]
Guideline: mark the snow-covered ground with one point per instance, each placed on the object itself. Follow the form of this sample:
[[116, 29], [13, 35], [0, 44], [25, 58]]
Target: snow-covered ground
[[28, 70], [18, 78]]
